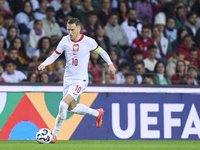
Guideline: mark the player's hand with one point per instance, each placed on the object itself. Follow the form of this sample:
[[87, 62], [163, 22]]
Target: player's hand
[[112, 69], [41, 67]]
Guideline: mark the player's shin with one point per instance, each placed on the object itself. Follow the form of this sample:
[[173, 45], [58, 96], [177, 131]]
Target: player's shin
[[82, 109], [60, 119]]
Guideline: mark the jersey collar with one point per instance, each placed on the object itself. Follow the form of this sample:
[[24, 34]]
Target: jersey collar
[[82, 36]]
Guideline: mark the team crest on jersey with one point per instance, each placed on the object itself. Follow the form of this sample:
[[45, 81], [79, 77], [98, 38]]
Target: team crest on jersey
[[75, 47]]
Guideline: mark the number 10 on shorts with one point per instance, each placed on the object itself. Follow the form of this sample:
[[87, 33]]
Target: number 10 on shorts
[[78, 89]]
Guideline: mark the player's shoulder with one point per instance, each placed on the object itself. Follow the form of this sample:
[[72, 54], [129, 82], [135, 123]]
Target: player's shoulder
[[88, 38], [65, 39]]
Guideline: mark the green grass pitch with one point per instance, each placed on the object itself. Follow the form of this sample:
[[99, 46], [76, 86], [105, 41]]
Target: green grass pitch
[[101, 145]]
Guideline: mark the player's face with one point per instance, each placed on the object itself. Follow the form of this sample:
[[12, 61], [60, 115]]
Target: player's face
[[73, 30]]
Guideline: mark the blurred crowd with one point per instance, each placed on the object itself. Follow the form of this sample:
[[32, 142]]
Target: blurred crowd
[[150, 42]]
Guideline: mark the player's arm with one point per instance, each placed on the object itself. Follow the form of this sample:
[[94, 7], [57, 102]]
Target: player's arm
[[48, 61], [107, 59]]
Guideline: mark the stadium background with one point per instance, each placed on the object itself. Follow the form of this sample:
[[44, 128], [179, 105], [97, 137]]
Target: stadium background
[[150, 113]]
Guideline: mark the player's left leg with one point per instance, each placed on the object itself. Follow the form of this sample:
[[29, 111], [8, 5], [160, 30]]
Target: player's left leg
[[81, 108]]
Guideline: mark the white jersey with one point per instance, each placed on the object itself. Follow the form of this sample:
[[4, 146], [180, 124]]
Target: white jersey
[[77, 55]]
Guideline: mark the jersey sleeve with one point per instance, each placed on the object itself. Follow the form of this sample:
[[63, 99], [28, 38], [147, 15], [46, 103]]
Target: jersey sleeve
[[60, 48], [94, 46]]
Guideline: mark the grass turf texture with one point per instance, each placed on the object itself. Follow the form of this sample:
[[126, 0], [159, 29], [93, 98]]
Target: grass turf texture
[[101, 145]]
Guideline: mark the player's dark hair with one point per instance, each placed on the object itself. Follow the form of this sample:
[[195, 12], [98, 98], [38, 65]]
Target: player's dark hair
[[151, 46], [75, 21], [139, 62]]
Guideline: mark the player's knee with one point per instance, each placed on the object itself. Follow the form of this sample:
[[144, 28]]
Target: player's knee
[[63, 110]]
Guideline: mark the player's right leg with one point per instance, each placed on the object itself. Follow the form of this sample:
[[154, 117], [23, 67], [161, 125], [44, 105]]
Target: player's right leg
[[62, 114]]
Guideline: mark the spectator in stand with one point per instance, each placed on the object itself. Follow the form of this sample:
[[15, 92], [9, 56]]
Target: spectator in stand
[[56, 4], [179, 16], [196, 7], [59, 64], [63, 28], [18, 43], [11, 75], [135, 56], [179, 77], [75, 5], [144, 11], [104, 12], [194, 57], [142, 41], [3, 52], [115, 32], [190, 24], [157, 7], [13, 55], [95, 67], [40, 13], [3, 12], [101, 39], [107, 78], [105, 66], [32, 77], [42, 49], [197, 39], [60, 75], [148, 80], [122, 11], [132, 26], [192, 73], [8, 22], [172, 61], [129, 78], [187, 44], [89, 27], [162, 44], [150, 61], [170, 31], [51, 28], [63, 11], [180, 34], [140, 71], [1, 71], [11, 35], [83, 12], [36, 34], [44, 77], [124, 68], [114, 58], [24, 21], [160, 74], [160, 22]]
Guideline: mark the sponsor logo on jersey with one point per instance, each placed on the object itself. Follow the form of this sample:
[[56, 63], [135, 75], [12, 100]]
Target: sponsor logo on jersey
[[75, 47]]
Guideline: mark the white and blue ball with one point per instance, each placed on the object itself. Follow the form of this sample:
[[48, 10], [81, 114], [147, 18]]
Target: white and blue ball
[[44, 136]]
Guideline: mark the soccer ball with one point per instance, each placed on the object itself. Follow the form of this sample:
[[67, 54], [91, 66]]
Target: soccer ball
[[44, 136]]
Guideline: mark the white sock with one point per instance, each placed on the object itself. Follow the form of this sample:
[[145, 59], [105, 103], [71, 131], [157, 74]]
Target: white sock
[[60, 119], [82, 109]]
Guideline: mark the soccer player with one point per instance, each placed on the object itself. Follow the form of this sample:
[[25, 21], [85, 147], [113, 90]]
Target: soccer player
[[77, 49]]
